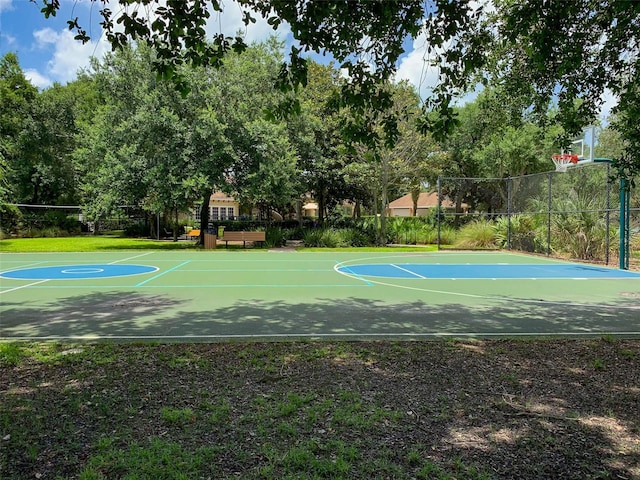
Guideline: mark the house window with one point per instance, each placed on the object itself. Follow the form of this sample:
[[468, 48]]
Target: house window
[[215, 215], [223, 213], [230, 213], [196, 212]]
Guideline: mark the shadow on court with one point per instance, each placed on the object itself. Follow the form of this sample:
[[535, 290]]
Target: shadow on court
[[118, 314]]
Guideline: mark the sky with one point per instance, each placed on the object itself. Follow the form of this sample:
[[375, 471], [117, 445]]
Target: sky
[[48, 53]]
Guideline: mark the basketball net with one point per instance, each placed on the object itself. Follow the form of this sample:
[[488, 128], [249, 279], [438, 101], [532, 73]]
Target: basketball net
[[563, 160]]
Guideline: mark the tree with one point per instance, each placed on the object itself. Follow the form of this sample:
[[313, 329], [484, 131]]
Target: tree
[[539, 50], [403, 166], [150, 147], [568, 50], [494, 138], [364, 36], [17, 96], [44, 171], [272, 178], [316, 134], [166, 152]]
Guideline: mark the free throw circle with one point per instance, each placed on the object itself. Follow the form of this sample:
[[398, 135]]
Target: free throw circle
[[83, 270]]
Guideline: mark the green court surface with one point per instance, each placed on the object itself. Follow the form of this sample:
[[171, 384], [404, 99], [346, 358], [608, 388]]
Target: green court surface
[[221, 295]]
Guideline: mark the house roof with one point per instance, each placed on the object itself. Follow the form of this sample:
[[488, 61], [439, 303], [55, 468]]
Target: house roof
[[219, 196], [425, 200]]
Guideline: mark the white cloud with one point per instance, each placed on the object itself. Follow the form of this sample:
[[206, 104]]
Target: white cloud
[[417, 69], [8, 40], [229, 23], [609, 101], [5, 6], [36, 78], [69, 55]]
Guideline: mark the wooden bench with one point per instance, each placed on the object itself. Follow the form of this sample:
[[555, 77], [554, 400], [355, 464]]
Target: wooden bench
[[194, 233], [243, 237]]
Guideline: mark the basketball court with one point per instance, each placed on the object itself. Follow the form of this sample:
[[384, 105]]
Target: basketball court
[[222, 295]]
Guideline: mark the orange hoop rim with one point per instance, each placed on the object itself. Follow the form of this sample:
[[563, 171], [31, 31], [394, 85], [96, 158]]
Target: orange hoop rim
[[565, 158]]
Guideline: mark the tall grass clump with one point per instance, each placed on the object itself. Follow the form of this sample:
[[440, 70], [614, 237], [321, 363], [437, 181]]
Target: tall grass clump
[[336, 237], [322, 237], [410, 230], [521, 232], [579, 229], [635, 244], [477, 234], [448, 235]]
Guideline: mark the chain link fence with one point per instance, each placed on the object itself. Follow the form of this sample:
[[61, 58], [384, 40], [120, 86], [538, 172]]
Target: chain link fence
[[575, 214]]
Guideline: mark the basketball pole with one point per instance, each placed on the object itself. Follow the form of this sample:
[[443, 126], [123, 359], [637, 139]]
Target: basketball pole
[[625, 214], [625, 217]]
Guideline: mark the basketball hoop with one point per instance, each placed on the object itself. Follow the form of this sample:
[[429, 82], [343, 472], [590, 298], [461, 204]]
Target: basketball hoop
[[563, 160]]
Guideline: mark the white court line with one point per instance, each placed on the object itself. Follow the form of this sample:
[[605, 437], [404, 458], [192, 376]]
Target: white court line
[[28, 265], [408, 271], [131, 258], [23, 286], [322, 335]]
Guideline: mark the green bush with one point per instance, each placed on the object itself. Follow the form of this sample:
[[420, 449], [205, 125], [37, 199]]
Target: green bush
[[410, 230], [477, 234], [354, 237], [526, 232], [275, 237], [10, 218], [333, 237], [579, 230]]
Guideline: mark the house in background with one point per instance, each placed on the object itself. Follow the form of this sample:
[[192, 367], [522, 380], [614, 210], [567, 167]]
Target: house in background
[[427, 202], [221, 207], [226, 207]]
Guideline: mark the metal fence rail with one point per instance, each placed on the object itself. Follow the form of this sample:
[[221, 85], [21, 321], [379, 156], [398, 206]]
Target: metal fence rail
[[574, 214]]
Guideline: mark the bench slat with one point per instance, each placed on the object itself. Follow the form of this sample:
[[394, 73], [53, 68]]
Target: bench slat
[[243, 237]]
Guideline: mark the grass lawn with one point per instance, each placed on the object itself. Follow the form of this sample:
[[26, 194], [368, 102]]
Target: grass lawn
[[491, 409], [88, 243]]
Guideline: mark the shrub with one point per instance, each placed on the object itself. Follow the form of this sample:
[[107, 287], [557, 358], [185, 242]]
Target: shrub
[[525, 231], [10, 218], [354, 237], [448, 235], [136, 230], [582, 235], [274, 237], [477, 234], [635, 242], [409, 230], [331, 237]]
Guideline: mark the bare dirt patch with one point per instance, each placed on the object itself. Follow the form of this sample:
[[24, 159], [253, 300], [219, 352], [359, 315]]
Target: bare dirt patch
[[487, 409]]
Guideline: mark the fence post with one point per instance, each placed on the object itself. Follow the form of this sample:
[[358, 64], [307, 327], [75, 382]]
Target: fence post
[[508, 213], [608, 217], [438, 212], [624, 223], [549, 199]]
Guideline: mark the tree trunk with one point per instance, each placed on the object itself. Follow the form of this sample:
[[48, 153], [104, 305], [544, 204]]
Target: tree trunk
[[175, 226], [204, 218], [415, 196], [299, 212], [383, 219], [321, 206]]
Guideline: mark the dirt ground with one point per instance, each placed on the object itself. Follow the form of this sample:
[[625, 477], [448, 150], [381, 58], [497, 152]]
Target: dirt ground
[[503, 409]]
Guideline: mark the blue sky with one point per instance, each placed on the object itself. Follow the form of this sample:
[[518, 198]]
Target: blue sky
[[48, 53], [45, 47]]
